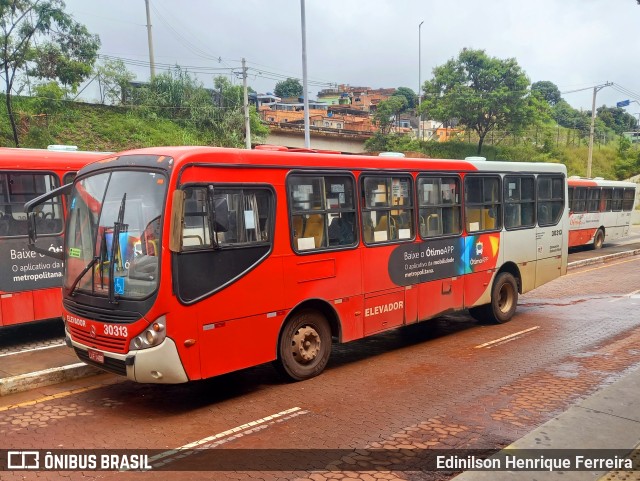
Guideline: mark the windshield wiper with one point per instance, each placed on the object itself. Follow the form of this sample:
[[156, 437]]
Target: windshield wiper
[[100, 258], [115, 247], [81, 275]]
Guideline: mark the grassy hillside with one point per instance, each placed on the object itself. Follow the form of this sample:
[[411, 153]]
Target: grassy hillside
[[95, 127]]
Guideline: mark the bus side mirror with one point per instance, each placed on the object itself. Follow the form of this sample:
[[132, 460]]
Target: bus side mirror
[[31, 219]]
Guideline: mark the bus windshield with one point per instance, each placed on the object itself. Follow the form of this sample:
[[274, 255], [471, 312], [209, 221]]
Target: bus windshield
[[113, 236]]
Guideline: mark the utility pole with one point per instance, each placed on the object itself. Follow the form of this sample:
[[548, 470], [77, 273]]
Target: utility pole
[[152, 65], [596, 89], [247, 122], [307, 134], [419, 79]]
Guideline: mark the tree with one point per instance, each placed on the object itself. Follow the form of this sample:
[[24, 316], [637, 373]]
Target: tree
[[409, 95], [484, 93], [617, 119], [38, 38], [289, 88], [547, 91], [387, 111], [113, 81]]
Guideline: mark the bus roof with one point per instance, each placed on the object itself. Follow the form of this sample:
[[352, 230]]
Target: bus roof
[[598, 182], [42, 159], [182, 156]]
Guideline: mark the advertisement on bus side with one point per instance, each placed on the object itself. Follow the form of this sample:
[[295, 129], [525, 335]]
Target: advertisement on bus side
[[25, 270], [439, 259]]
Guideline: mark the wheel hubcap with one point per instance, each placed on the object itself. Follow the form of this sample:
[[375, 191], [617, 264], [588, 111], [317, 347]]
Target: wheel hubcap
[[305, 344]]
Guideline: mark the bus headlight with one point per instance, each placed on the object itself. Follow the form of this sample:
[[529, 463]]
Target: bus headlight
[[151, 336]]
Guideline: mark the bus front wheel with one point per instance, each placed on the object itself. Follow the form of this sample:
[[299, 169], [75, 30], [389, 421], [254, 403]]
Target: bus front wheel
[[504, 300], [304, 346], [598, 239]]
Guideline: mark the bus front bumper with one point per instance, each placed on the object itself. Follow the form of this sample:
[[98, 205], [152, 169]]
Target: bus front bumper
[[159, 365]]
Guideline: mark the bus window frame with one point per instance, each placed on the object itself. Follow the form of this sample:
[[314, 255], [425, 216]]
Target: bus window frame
[[590, 200], [460, 204], [45, 196], [364, 208], [551, 176], [616, 203], [534, 201], [626, 200], [215, 246], [291, 212], [575, 200], [499, 217]]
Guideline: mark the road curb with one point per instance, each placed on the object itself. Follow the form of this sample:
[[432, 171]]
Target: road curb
[[46, 377], [602, 259]]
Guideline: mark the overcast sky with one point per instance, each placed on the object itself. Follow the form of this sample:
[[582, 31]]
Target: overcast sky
[[572, 43]]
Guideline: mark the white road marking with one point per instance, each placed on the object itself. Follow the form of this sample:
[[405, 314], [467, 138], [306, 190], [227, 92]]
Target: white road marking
[[224, 436], [33, 349], [508, 338]]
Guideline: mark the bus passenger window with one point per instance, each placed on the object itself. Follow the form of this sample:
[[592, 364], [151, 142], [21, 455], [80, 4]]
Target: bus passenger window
[[18, 188], [240, 216], [388, 209], [439, 206], [483, 207], [322, 210], [551, 199], [618, 194], [628, 199], [519, 201]]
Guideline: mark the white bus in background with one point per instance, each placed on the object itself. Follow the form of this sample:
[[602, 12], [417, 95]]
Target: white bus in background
[[599, 210]]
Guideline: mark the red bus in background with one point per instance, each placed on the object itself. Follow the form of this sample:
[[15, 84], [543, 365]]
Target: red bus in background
[[30, 282], [599, 210], [183, 263]]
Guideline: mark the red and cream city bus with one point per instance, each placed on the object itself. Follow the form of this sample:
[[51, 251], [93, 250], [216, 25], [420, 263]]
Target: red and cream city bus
[[599, 210], [183, 263], [30, 282]]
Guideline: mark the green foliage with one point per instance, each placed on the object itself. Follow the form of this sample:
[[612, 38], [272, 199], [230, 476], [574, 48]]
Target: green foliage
[[409, 95], [547, 91], [38, 38], [387, 111], [49, 98], [617, 119], [113, 81], [289, 88], [178, 96], [484, 93]]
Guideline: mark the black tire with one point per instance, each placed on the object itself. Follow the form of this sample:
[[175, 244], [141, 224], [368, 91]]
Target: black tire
[[304, 346], [598, 239], [504, 301]]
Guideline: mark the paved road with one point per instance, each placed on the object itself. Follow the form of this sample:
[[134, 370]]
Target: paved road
[[450, 383]]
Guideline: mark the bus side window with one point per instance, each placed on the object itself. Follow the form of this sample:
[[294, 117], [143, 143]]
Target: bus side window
[[550, 199], [387, 208], [322, 211], [439, 206], [519, 201], [483, 205]]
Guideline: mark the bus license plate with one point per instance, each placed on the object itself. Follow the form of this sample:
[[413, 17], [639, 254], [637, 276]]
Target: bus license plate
[[96, 356]]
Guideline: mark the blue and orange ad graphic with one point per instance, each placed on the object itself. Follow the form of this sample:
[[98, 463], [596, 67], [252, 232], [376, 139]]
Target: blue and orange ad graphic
[[439, 259]]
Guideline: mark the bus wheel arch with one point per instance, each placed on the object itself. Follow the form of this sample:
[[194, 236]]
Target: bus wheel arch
[[504, 297], [598, 238], [304, 342]]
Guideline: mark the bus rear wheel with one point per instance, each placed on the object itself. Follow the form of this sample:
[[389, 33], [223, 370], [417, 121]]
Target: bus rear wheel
[[305, 346], [598, 239], [504, 300]]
